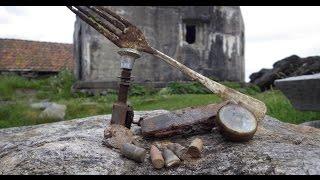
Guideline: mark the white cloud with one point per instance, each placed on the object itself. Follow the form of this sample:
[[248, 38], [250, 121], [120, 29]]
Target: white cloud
[[42, 23], [273, 33], [5, 16]]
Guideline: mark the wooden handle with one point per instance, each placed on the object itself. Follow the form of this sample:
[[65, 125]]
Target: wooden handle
[[257, 107]]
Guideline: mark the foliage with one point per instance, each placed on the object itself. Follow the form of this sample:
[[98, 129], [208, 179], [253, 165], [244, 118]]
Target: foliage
[[9, 83], [197, 88], [138, 90], [187, 88], [58, 86], [16, 111], [280, 107]]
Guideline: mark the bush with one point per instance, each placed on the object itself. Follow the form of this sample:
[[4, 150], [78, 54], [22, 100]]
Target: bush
[[249, 89], [9, 83], [18, 114], [197, 88], [58, 86], [187, 88], [138, 90]]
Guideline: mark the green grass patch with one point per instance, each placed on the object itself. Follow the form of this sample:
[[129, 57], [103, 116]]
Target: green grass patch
[[280, 107], [172, 102], [197, 88], [20, 114], [8, 85], [177, 95]]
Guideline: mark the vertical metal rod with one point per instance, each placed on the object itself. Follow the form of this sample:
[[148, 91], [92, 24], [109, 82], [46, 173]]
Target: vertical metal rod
[[124, 85], [122, 114]]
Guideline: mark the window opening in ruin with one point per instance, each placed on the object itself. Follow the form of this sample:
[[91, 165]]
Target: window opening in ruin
[[190, 34]]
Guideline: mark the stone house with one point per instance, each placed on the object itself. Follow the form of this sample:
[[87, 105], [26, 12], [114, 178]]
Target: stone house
[[208, 39]]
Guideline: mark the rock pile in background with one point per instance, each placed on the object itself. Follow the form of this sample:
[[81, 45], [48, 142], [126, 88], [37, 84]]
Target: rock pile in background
[[287, 67]]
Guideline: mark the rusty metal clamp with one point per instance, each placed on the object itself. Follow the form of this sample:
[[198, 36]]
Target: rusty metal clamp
[[122, 113]]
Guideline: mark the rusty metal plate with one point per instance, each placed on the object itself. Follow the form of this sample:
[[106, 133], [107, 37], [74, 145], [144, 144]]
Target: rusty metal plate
[[119, 113], [189, 120]]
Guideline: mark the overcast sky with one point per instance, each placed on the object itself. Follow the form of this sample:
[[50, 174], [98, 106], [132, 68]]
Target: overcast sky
[[272, 33]]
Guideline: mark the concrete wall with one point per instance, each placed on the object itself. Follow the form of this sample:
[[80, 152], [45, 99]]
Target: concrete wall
[[218, 50]]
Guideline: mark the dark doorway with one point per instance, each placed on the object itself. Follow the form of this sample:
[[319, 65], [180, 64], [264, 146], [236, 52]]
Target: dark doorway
[[191, 34]]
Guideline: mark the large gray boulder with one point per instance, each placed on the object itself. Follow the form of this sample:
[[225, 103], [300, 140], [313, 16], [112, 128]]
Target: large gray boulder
[[40, 105], [302, 91], [75, 147], [54, 111]]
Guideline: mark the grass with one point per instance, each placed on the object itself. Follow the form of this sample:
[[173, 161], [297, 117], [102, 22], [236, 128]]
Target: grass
[[175, 96], [280, 107]]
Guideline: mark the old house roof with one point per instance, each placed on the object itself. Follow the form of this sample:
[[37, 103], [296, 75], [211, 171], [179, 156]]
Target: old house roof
[[25, 55]]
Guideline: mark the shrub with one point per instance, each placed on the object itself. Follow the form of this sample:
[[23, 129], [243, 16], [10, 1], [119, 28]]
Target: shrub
[[138, 90], [9, 83], [58, 86], [197, 88], [187, 88], [249, 89]]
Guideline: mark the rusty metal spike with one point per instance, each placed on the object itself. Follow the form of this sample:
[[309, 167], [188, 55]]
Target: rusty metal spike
[[114, 22], [91, 14], [119, 18], [96, 26]]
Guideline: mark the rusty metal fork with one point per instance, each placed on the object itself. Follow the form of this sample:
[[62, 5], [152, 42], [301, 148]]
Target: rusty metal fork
[[125, 35], [118, 30]]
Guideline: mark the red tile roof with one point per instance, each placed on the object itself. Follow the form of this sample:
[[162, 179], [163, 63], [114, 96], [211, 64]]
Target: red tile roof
[[35, 56]]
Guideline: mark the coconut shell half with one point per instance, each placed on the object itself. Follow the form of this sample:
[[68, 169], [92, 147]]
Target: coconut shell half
[[236, 123]]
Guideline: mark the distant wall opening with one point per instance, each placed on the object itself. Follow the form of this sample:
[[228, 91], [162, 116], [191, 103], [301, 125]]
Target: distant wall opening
[[190, 34]]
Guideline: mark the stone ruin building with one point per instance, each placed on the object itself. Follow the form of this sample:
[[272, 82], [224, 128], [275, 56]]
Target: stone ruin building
[[208, 39]]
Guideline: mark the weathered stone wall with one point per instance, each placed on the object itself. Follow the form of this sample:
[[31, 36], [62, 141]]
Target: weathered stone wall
[[218, 50]]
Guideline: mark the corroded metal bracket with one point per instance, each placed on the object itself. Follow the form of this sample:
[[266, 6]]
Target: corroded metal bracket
[[122, 113], [187, 121]]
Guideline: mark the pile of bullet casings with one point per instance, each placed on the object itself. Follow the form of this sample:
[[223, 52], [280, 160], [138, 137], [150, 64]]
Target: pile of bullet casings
[[168, 156]]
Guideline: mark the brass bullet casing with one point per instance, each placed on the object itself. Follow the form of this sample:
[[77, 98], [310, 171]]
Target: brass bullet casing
[[156, 157], [236, 123], [170, 158], [133, 152], [178, 150], [195, 148]]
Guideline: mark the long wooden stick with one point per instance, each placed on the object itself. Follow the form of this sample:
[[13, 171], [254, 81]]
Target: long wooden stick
[[257, 107]]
